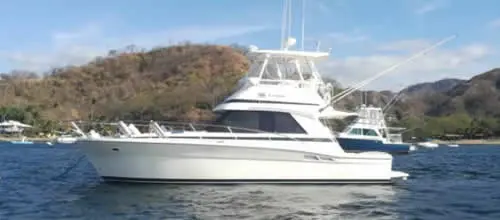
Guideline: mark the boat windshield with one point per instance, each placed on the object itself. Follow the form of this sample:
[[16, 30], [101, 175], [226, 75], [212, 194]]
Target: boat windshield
[[283, 68]]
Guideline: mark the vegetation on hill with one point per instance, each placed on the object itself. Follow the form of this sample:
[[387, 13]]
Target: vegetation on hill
[[180, 82], [184, 82]]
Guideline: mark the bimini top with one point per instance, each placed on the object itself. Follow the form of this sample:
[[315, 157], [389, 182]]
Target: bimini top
[[314, 55]]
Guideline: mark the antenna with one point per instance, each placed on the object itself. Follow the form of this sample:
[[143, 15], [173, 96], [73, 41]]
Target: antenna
[[289, 25], [303, 23], [318, 43], [283, 23], [289, 19]]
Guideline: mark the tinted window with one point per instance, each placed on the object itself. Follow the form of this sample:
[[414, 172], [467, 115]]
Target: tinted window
[[369, 132], [265, 121], [239, 119], [355, 131], [285, 123]]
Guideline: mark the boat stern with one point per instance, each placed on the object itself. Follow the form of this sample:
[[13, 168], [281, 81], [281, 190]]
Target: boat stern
[[398, 175]]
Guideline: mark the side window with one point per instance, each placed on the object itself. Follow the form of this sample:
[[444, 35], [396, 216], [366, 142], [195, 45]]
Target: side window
[[369, 132], [240, 119], [266, 121], [285, 123], [248, 121], [355, 131]]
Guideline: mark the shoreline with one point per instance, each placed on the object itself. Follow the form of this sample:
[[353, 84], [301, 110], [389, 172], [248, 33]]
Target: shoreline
[[35, 139], [463, 141], [468, 141]]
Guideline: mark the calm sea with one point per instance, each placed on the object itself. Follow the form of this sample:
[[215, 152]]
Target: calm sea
[[445, 183]]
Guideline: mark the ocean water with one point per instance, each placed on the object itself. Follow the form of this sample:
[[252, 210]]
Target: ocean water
[[445, 183]]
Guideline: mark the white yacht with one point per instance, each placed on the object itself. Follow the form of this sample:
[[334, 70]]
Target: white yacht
[[428, 144], [268, 131]]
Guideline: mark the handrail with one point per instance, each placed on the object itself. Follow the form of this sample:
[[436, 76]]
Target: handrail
[[192, 126]]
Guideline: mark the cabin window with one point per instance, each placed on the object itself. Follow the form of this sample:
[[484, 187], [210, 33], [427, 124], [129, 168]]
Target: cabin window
[[369, 132], [271, 71], [306, 70], [355, 131], [248, 121], [285, 123], [255, 69], [240, 119]]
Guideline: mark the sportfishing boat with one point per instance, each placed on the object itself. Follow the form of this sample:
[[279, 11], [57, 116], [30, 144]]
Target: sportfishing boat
[[369, 132], [268, 131]]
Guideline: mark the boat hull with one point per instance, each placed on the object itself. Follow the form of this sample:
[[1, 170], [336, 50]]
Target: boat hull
[[21, 142], [212, 163], [66, 140], [364, 145], [428, 144]]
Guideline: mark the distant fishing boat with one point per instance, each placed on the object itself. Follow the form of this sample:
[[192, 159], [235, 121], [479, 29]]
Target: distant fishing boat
[[369, 132]]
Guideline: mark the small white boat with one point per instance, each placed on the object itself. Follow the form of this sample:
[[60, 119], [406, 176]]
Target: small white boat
[[428, 144], [22, 141], [66, 139], [453, 145]]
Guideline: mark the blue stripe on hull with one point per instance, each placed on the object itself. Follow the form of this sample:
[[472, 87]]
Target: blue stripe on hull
[[357, 145]]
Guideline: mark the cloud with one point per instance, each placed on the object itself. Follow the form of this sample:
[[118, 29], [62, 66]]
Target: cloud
[[323, 8], [494, 23], [429, 6], [457, 62], [404, 45], [75, 47], [348, 37]]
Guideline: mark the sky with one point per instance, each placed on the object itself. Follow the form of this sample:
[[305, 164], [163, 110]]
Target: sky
[[365, 36]]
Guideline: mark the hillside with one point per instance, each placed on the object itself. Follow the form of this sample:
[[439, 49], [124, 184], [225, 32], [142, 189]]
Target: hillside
[[185, 82], [432, 87], [478, 96], [174, 83], [465, 107]]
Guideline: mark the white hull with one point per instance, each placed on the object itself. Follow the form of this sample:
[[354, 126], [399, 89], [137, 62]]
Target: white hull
[[66, 140], [428, 144], [120, 160]]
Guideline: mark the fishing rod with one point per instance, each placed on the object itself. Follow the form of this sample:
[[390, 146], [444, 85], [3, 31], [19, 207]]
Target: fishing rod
[[349, 91]]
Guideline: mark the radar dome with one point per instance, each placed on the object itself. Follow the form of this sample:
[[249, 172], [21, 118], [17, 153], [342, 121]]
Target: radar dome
[[252, 48]]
